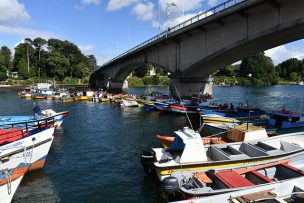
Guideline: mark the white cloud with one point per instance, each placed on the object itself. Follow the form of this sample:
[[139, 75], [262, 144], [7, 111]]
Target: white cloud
[[86, 48], [118, 4], [180, 5], [144, 11], [212, 2], [281, 53], [25, 32], [96, 2], [12, 12]]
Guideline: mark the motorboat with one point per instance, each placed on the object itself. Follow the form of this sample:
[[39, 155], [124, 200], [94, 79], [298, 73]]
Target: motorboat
[[286, 191], [190, 184], [188, 152]]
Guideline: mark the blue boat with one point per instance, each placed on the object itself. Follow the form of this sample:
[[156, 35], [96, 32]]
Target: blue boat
[[58, 118], [285, 119]]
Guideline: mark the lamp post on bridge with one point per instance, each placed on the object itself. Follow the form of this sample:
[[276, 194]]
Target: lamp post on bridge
[[168, 14]]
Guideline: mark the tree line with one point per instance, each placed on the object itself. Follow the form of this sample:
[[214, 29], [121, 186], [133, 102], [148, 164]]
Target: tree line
[[259, 70], [42, 58]]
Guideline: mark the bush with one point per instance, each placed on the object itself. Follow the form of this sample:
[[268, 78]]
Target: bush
[[135, 82], [70, 80]]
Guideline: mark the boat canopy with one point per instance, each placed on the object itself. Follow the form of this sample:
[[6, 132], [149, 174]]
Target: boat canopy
[[190, 143]]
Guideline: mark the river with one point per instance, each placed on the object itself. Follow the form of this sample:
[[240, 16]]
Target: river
[[95, 154]]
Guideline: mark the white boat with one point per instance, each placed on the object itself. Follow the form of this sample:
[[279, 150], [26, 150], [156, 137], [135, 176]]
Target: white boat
[[8, 185], [31, 151], [129, 102], [190, 184], [281, 192], [187, 152]]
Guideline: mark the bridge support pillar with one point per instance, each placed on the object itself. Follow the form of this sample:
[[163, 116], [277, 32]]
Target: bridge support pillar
[[115, 86], [98, 81], [190, 86]]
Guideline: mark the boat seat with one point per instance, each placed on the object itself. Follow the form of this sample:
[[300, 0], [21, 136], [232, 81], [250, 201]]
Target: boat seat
[[226, 153], [270, 150], [258, 178], [288, 147], [251, 150], [286, 171], [232, 179], [203, 177]]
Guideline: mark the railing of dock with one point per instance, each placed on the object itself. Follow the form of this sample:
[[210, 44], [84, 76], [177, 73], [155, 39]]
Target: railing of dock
[[204, 15]]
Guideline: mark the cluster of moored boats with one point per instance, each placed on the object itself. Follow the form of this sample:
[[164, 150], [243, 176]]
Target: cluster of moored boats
[[250, 156], [24, 145]]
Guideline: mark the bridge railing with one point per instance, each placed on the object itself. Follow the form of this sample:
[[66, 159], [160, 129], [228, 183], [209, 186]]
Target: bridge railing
[[200, 16]]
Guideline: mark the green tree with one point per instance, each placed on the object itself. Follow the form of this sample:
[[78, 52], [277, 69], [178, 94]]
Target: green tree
[[260, 69], [38, 44], [6, 53], [228, 71], [93, 62], [294, 76]]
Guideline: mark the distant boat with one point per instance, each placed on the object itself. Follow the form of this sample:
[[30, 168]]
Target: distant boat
[[129, 102], [104, 100], [45, 114]]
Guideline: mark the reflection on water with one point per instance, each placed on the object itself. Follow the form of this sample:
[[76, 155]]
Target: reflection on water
[[36, 187]]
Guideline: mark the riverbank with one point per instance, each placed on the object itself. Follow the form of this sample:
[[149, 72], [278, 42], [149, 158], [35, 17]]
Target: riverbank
[[22, 87]]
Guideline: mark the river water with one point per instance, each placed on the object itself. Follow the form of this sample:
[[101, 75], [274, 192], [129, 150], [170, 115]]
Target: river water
[[95, 154]]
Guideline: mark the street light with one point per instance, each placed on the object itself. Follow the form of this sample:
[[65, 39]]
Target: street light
[[168, 13]]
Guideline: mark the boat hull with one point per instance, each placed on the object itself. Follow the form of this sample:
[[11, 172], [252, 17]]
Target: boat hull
[[28, 153], [129, 103], [6, 192], [183, 110]]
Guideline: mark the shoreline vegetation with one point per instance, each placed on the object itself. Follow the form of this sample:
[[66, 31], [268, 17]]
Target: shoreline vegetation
[[41, 60]]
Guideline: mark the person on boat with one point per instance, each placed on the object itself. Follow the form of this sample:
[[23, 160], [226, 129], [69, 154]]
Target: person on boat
[[231, 107], [36, 109]]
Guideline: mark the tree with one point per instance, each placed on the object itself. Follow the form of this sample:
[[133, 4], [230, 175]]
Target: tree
[[7, 56], [228, 71], [289, 66], [260, 69], [21, 59], [93, 62], [38, 44], [294, 76]]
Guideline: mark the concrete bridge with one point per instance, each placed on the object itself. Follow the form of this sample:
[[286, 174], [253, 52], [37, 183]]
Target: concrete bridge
[[211, 40]]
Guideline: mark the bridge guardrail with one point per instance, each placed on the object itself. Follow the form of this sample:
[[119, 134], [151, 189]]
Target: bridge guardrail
[[200, 16]]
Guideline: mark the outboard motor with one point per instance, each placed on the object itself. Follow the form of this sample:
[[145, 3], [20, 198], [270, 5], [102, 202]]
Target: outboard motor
[[171, 186], [147, 158]]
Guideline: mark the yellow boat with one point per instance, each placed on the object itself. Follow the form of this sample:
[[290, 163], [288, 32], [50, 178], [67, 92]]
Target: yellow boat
[[104, 100], [188, 152], [67, 100], [40, 97], [213, 118], [82, 98]]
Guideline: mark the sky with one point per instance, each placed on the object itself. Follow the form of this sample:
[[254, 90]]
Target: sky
[[105, 28]]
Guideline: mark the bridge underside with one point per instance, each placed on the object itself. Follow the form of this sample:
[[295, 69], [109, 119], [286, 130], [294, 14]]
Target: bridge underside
[[194, 52]]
